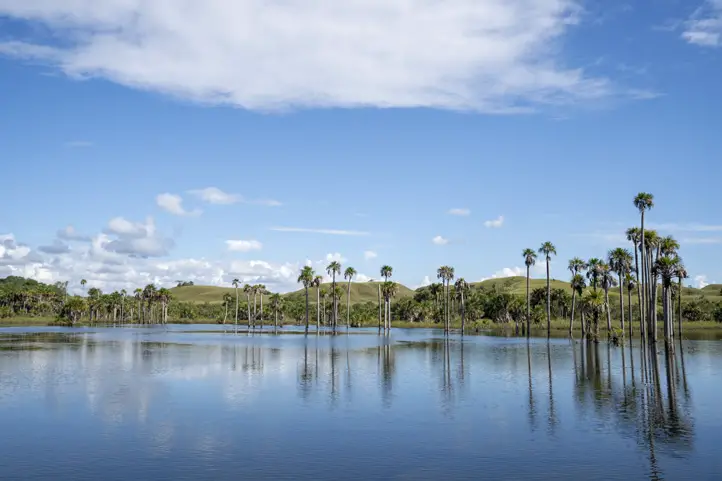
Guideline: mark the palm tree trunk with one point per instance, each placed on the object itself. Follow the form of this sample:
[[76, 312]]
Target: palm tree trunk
[[306, 280], [225, 314], [448, 319], [679, 308], [639, 292], [644, 271], [318, 308], [574, 303], [584, 324], [629, 306], [261, 310], [528, 304], [224, 320], [379, 308], [621, 301], [463, 314], [549, 303], [255, 308], [348, 306], [609, 314]]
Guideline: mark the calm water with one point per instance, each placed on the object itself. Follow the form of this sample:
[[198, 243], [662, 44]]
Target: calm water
[[197, 403]]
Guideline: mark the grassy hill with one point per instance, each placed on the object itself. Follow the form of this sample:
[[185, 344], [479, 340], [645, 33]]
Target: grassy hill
[[368, 291], [360, 292]]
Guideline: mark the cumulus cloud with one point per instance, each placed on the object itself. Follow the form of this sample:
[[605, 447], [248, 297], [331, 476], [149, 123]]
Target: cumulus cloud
[[494, 223], [704, 27], [425, 282], [538, 268], [11, 252], [174, 204], [244, 245], [700, 281], [440, 241], [368, 255], [135, 238], [70, 234], [459, 212], [496, 56], [57, 247]]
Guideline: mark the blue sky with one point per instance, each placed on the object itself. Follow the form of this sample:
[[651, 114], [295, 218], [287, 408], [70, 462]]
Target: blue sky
[[243, 139]]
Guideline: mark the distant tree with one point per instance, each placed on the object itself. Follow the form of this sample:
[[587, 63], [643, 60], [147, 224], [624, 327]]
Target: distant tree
[[578, 286], [235, 284], [332, 270], [529, 260], [306, 278], [643, 202], [348, 274], [548, 249]]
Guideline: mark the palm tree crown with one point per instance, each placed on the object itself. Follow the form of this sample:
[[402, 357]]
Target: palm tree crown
[[529, 257], [548, 250], [576, 265], [644, 201], [349, 273], [386, 272]]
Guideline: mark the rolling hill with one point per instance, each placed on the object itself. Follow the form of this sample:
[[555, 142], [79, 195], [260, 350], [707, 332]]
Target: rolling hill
[[368, 291]]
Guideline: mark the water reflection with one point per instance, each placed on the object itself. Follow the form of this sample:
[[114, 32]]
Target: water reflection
[[410, 403]]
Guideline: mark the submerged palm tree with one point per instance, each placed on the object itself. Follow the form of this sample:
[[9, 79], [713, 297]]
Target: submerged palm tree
[[348, 274], [680, 274], [386, 272], [389, 290], [593, 305], [634, 236], [578, 286], [227, 298], [461, 288], [317, 281], [548, 250], [446, 274], [235, 286], [607, 280], [643, 202], [666, 267], [248, 290], [276, 305], [306, 278], [332, 269], [529, 260], [631, 285], [620, 261]]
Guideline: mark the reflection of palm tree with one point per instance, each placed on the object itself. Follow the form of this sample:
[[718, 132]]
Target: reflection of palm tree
[[532, 410], [552, 414]]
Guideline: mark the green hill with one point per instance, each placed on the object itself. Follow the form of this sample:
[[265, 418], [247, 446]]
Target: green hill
[[360, 292]]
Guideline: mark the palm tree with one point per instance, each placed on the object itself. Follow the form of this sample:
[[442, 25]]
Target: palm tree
[[332, 269], [620, 261], [666, 267], [123, 294], [680, 274], [226, 301], [164, 296], [607, 280], [634, 236], [593, 271], [306, 278], [652, 243], [548, 250], [389, 290], [138, 294], [578, 286], [593, 303], [386, 271], [643, 202], [262, 292], [235, 283], [276, 302], [348, 274], [317, 281], [446, 274], [529, 260], [248, 290], [631, 285], [461, 288]]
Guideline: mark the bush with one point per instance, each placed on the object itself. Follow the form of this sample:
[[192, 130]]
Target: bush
[[695, 311], [717, 314], [6, 312]]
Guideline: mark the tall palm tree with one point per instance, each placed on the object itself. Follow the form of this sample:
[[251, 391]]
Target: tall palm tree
[[332, 269], [578, 286], [227, 298], [529, 260], [644, 201], [276, 302], [123, 295], [386, 271], [593, 303], [306, 279], [317, 281], [680, 274], [138, 294], [653, 243], [634, 236], [607, 280], [461, 288], [262, 292], [593, 271], [631, 283], [389, 290], [548, 250], [620, 261], [248, 290], [348, 274], [446, 274], [235, 283], [666, 267]]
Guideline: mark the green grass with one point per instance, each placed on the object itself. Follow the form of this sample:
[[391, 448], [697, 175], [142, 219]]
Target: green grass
[[360, 292], [26, 321]]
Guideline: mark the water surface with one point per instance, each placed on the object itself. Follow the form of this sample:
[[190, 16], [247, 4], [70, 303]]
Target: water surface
[[195, 402]]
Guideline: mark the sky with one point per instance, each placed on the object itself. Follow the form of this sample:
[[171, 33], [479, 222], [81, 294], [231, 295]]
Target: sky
[[149, 141]]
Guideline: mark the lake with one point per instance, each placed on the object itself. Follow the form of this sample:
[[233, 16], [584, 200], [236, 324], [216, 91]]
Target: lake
[[195, 402]]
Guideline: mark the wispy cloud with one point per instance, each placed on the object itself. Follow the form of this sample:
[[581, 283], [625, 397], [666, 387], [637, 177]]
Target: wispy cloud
[[700, 281], [460, 212], [214, 195], [368, 255], [495, 223], [70, 234], [244, 245], [332, 54], [174, 204], [701, 240], [78, 144], [440, 241], [704, 27], [321, 231]]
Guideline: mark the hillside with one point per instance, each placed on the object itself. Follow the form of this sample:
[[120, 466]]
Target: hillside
[[360, 292], [368, 291]]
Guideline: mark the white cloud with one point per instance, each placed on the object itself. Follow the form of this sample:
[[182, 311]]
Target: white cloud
[[424, 283], [368, 255], [488, 55], [701, 240], [536, 269], [320, 231], [704, 27], [122, 226], [335, 257], [459, 212], [700, 281], [214, 195], [266, 202], [134, 238], [57, 247], [70, 234], [494, 223], [440, 241], [174, 204], [244, 245]]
